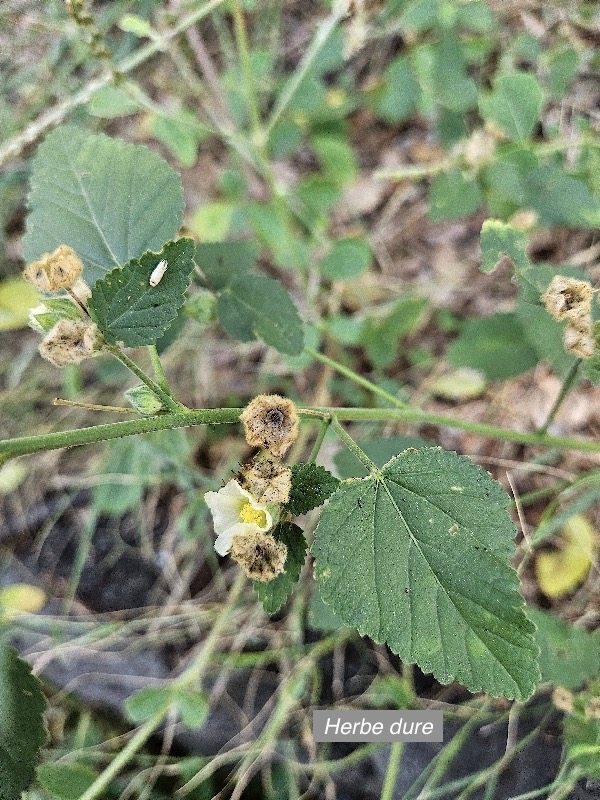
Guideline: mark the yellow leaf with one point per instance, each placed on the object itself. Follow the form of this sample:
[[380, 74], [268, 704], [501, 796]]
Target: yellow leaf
[[16, 298], [561, 571], [19, 598], [211, 223]]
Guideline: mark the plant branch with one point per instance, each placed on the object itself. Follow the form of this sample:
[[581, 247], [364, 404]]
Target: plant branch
[[11, 448], [352, 446], [167, 400], [354, 376], [58, 113], [319, 40], [564, 391]]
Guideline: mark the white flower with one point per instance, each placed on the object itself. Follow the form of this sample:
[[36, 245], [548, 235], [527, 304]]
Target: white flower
[[236, 513]]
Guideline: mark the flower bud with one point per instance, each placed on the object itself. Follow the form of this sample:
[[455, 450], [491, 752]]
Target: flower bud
[[271, 421], [260, 555], [144, 400], [70, 342], [54, 271]]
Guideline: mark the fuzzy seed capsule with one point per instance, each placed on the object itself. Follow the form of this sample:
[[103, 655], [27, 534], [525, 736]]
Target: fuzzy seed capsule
[[55, 271], [271, 421], [260, 555]]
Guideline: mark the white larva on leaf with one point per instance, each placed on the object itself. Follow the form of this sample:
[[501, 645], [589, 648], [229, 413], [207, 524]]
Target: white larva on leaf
[[158, 271]]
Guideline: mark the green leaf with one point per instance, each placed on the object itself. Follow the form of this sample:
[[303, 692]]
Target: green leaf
[[569, 656], [110, 102], [288, 250], [311, 486], [223, 261], [561, 199], [514, 105], [396, 98], [500, 240], [127, 309], [107, 199], [401, 555], [258, 307], [378, 449], [381, 336], [582, 740], [562, 64], [273, 594], [453, 195], [181, 132], [495, 345], [321, 617], [17, 296], [450, 82], [211, 223], [193, 707], [337, 158], [66, 781], [145, 703], [348, 258], [22, 731]]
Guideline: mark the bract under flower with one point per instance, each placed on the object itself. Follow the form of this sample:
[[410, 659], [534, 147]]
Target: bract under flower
[[236, 513]]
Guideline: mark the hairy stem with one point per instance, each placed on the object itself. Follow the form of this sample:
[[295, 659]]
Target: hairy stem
[[167, 400], [564, 391], [352, 446]]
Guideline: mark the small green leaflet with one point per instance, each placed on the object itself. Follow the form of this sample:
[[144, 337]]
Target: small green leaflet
[[417, 555], [499, 240], [22, 731], [311, 486], [273, 594], [257, 307], [127, 309], [568, 655], [66, 781], [107, 199], [221, 262], [514, 105]]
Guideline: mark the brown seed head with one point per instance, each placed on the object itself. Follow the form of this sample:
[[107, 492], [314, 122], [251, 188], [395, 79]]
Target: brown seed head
[[70, 342], [578, 338], [260, 555], [267, 480], [271, 421], [54, 271], [568, 298]]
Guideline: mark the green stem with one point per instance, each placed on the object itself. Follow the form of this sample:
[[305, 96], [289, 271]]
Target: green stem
[[159, 373], [289, 90], [353, 447], [354, 376], [167, 400], [136, 743], [325, 423], [564, 391], [60, 111], [11, 448], [387, 792], [192, 675], [241, 39]]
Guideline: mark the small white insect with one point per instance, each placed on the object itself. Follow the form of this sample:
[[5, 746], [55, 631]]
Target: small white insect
[[158, 272]]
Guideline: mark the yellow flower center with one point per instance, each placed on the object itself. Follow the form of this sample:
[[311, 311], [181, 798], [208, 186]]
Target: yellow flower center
[[249, 514]]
